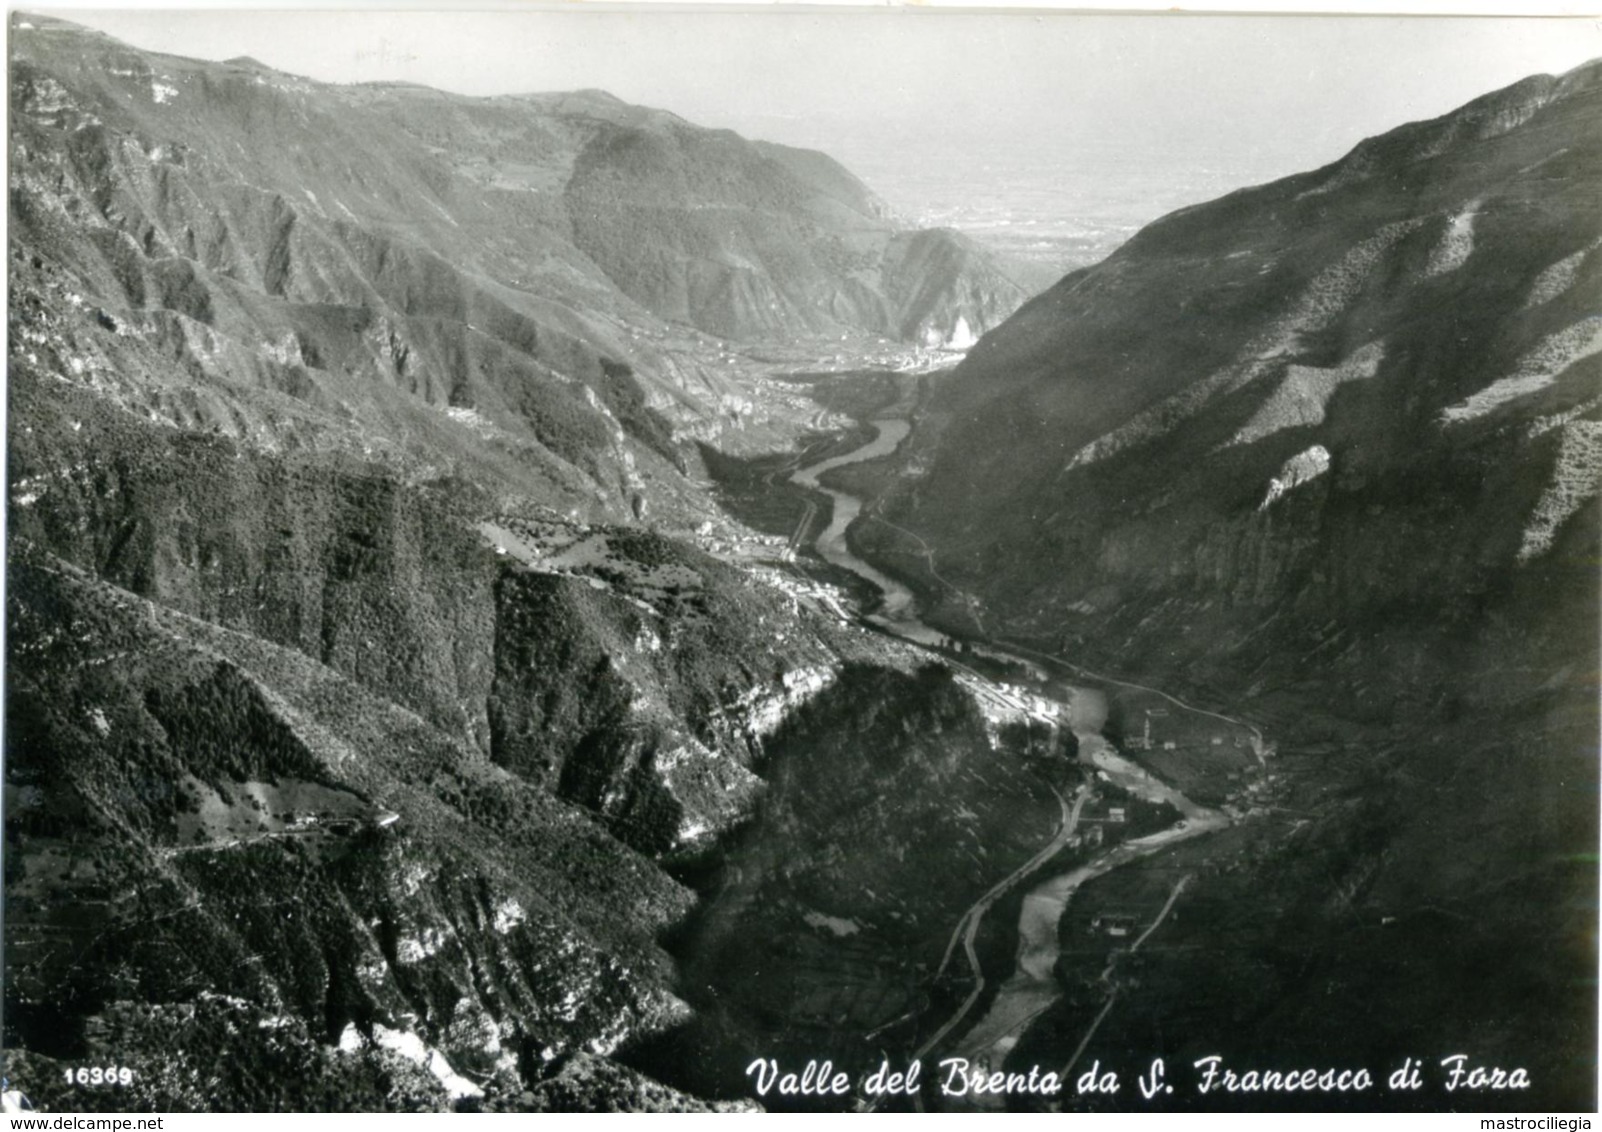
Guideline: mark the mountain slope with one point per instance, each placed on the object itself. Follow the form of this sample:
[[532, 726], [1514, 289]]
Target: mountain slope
[[307, 238], [1325, 450], [376, 649], [1338, 367], [369, 678]]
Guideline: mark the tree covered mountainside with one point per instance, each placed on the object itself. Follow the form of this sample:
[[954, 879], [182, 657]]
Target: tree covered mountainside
[[1328, 450]]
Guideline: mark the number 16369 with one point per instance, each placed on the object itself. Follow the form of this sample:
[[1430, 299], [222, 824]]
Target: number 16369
[[100, 1075]]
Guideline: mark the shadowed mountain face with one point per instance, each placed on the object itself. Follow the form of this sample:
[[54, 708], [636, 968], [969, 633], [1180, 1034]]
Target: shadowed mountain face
[[1329, 450], [1338, 367]]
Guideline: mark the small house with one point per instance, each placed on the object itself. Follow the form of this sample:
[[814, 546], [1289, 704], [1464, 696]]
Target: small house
[[1116, 925]]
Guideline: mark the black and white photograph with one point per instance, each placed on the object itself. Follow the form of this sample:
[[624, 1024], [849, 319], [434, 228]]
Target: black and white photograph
[[598, 558]]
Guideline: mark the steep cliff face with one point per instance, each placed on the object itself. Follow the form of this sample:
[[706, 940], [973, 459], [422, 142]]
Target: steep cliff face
[[280, 350]]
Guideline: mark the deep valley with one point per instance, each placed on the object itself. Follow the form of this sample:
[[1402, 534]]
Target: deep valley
[[530, 604]]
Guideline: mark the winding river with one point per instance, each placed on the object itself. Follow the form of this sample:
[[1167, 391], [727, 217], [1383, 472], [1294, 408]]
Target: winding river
[[1033, 986], [831, 544]]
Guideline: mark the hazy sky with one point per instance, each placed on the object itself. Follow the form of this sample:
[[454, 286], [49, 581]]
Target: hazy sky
[[881, 87]]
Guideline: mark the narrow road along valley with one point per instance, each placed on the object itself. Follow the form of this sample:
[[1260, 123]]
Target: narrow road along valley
[[1033, 987]]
